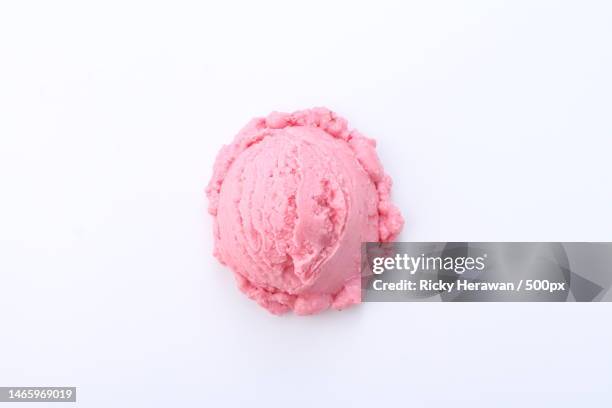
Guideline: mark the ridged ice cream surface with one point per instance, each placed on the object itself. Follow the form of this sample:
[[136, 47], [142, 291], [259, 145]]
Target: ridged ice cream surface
[[293, 197]]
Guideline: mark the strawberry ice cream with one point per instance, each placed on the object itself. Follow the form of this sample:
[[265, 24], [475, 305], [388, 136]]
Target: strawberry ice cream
[[293, 197]]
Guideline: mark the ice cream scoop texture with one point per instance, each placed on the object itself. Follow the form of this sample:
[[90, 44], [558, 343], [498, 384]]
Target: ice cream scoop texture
[[293, 197]]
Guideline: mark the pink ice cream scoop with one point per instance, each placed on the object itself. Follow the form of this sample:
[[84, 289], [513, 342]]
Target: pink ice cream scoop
[[293, 197]]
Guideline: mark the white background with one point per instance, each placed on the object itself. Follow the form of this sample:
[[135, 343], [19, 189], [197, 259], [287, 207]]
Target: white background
[[493, 117]]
